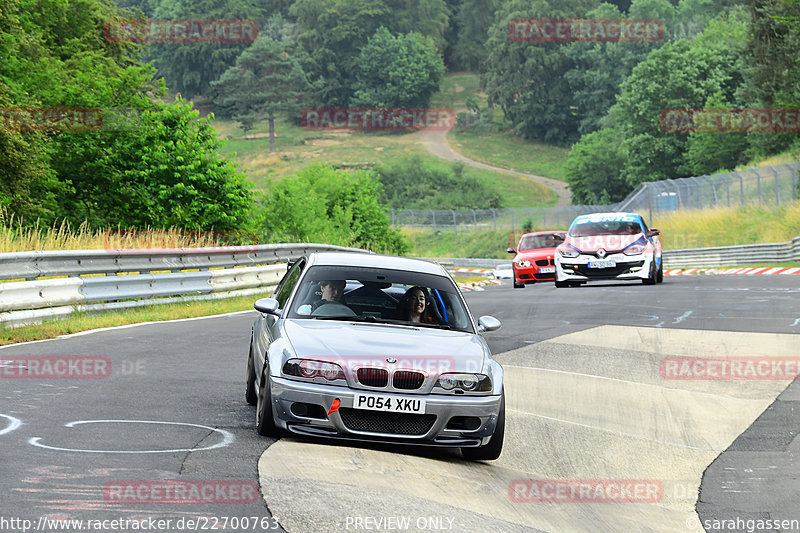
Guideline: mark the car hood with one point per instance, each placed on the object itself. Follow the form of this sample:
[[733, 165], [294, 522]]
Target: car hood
[[354, 344], [539, 253], [610, 243]]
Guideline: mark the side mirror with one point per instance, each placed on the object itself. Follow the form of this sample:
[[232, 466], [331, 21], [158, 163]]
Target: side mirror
[[653, 232], [269, 306], [488, 323], [512, 251]]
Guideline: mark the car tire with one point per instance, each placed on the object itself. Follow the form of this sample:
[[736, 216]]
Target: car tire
[[562, 284], [519, 285], [265, 423], [651, 278], [491, 450], [250, 393], [660, 275]]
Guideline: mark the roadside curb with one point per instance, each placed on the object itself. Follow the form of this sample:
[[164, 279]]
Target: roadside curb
[[752, 271]]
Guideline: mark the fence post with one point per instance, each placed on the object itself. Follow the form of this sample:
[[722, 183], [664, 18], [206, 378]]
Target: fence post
[[728, 189], [650, 206], [412, 220], [794, 179], [741, 188], [759, 186], [393, 223], [455, 224], [434, 220], [512, 218], [777, 199], [474, 219], [494, 217]]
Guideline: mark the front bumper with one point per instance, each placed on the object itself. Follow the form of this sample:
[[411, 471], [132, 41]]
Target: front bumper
[[532, 274], [435, 428], [626, 267]]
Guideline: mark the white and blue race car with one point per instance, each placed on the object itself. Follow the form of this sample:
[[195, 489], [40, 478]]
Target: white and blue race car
[[609, 246]]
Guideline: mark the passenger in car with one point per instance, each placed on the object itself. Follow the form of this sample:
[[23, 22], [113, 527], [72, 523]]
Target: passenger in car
[[415, 306]]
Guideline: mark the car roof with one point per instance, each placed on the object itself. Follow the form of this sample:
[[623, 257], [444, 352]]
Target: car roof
[[611, 213], [375, 261]]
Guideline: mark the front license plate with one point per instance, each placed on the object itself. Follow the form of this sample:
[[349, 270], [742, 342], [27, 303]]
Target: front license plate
[[602, 264], [547, 270], [394, 404]]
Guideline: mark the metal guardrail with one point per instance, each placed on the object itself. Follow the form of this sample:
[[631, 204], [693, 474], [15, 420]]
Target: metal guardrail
[[104, 279], [734, 255], [113, 279]]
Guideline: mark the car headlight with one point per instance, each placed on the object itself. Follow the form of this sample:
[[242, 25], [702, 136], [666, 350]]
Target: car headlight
[[465, 382], [311, 369], [523, 263], [567, 250], [634, 249]]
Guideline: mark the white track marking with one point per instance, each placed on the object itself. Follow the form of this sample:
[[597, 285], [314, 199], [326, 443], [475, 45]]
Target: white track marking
[[13, 423], [228, 438]]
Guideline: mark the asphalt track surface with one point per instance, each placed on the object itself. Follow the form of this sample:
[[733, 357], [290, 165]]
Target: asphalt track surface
[[172, 409]]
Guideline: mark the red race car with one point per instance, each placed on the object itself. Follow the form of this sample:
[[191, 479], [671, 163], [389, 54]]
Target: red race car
[[534, 257]]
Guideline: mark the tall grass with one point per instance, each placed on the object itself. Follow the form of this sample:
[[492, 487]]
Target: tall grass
[[16, 237]]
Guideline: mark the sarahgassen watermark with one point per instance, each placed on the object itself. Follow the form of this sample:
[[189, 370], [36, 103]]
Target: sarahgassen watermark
[[585, 30], [180, 31], [766, 120], [378, 118], [585, 491]]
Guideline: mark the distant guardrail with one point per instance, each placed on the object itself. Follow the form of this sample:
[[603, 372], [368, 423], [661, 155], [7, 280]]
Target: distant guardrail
[[734, 255], [57, 283]]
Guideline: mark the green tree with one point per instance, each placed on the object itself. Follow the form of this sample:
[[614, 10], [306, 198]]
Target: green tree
[[708, 152], [265, 81], [594, 167], [333, 32], [409, 183], [162, 171], [401, 71], [471, 23], [527, 80], [190, 68], [321, 204], [599, 68], [679, 75]]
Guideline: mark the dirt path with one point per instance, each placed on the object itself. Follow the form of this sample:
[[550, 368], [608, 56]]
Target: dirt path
[[436, 143]]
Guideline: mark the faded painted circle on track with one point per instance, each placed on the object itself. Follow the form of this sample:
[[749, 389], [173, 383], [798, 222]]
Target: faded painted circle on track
[[13, 423], [227, 437]]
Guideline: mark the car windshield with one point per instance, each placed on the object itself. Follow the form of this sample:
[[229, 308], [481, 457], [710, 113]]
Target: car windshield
[[535, 242], [611, 227], [380, 295]]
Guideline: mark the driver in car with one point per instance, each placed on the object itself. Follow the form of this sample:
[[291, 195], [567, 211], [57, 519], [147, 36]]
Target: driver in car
[[332, 291]]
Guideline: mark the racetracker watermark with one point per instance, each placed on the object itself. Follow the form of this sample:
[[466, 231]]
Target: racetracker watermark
[[730, 120], [585, 491], [68, 119], [429, 365], [189, 492], [55, 367], [180, 31], [585, 30], [378, 118], [51, 118], [734, 368]]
